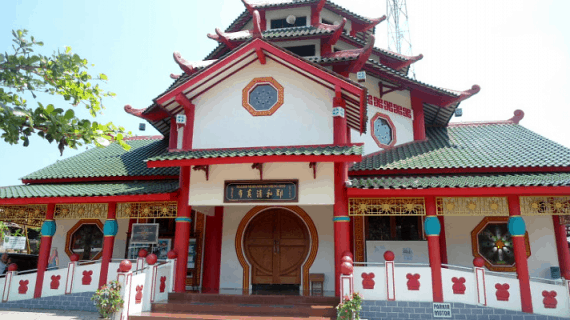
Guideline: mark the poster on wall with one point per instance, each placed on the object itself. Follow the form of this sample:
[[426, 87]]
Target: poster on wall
[[144, 233], [162, 248]]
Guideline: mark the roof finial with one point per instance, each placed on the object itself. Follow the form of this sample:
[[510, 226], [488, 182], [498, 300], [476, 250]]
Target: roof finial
[[316, 12], [517, 117], [363, 56], [183, 64], [248, 6], [221, 37], [256, 34]]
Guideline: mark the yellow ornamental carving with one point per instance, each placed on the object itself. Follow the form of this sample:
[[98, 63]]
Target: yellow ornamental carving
[[544, 206], [81, 211], [386, 206], [28, 215], [472, 206], [146, 210]]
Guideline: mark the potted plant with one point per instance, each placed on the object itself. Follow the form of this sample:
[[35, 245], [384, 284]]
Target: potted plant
[[108, 299], [350, 308]]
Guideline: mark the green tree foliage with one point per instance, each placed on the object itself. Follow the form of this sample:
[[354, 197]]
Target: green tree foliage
[[60, 74]]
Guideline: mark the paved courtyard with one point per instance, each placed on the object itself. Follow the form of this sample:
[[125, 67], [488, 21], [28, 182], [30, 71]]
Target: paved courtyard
[[36, 314]]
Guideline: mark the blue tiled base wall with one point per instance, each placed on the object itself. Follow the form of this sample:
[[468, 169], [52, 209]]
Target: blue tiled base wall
[[75, 301], [404, 310]]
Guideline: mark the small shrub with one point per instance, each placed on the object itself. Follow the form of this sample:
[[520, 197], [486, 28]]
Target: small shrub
[[350, 308], [108, 299]]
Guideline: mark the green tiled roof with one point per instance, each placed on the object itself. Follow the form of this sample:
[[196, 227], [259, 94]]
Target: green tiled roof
[[111, 161], [89, 189], [327, 150], [555, 179], [471, 146]]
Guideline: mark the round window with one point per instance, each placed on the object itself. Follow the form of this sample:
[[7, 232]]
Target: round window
[[383, 131]]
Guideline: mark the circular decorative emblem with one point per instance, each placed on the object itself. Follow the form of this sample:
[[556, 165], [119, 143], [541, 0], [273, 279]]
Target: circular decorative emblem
[[262, 96], [383, 131], [492, 241]]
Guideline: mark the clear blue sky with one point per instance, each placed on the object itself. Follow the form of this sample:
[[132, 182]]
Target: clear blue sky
[[517, 52]]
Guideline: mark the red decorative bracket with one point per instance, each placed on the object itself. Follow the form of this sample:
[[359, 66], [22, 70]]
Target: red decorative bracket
[[258, 166], [205, 168], [363, 56], [337, 31], [385, 88], [154, 115], [174, 76], [316, 12], [182, 63], [222, 37], [313, 165], [260, 55], [359, 27], [185, 103]]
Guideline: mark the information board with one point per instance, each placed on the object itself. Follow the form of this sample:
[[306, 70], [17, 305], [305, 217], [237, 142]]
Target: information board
[[441, 310], [261, 191], [146, 233], [15, 243]]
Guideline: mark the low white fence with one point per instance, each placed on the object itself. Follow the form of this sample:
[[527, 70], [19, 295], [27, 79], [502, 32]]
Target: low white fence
[[409, 282], [140, 287]]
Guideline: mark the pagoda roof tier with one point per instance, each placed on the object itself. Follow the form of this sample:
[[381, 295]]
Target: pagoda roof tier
[[109, 163], [163, 188], [475, 180], [503, 147], [316, 153], [199, 81]]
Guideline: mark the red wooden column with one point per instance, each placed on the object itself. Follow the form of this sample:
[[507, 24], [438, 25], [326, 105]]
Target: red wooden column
[[341, 220], [517, 229], [419, 117], [562, 247], [110, 230], [442, 241], [213, 252], [48, 230], [432, 229], [182, 232], [173, 142]]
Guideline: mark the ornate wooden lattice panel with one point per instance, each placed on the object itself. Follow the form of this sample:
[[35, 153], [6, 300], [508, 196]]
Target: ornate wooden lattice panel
[[359, 239], [386, 207], [473, 206], [545, 206], [28, 215], [145, 210], [81, 211]]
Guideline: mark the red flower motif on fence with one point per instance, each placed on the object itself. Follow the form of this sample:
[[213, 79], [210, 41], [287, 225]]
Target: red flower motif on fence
[[413, 283], [54, 284], [23, 288], [549, 299], [86, 280], [502, 291], [162, 284], [458, 285], [367, 282], [138, 296]]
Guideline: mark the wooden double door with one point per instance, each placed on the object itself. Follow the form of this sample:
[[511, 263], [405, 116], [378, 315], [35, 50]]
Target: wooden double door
[[276, 244]]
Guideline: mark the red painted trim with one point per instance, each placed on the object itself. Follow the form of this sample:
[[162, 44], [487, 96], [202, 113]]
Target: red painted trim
[[442, 240], [419, 117], [519, 248], [257, 43], [213, 252], [434, 254], [260, 56], [449, 171], [408, 62], [459, 192], [316, 12], [562, 247], [96, 199], [252, 159], [393, 281], [173, 139], [43, 257], [108, 244], [90, 179], [189, 109], [363, 27], [392, 126], [153, 115]]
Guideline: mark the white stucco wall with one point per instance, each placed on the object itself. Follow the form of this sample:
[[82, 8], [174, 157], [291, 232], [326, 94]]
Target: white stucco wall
[[311, 191], [305, 118], [63, 226], [540, 233], [403, 125], [231, 275]]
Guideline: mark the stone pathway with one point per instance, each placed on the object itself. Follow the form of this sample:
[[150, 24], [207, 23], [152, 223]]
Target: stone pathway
[[36, 314]]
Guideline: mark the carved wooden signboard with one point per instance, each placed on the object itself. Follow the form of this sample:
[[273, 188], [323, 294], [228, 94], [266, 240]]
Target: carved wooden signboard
[[261, 191], [144, 233]]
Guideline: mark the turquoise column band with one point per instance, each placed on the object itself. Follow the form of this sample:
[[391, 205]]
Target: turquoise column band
[[48, 228], [516, 226], [183, 219], [432, 226], [341, 219], [110, 228]]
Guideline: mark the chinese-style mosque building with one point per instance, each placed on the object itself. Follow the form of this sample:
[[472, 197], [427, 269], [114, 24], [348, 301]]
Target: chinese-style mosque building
[[295, 141]]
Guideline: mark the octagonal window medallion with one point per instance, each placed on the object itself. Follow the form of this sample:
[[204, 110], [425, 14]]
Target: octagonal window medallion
[[492, 241], [86, 239], [383, 131], [262, 96]]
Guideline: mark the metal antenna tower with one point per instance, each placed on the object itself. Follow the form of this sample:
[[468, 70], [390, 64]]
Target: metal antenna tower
[[399, 30]]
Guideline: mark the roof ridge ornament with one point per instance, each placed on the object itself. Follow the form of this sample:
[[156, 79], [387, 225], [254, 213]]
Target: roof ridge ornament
[[336, 28], [316, 12], [222, 37], [183, 64], [410, 60], [357, 27], [363, 55], [248, 6], [256, 33], [518, 115]]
